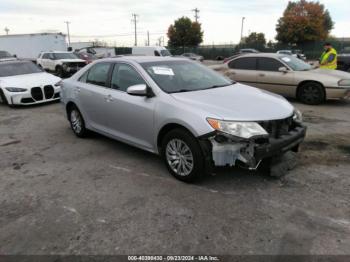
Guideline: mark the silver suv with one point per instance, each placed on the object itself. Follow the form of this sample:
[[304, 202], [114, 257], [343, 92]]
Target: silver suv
[[187, 113]]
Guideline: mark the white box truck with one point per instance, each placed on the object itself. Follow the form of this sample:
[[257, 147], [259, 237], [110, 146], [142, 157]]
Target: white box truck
[[29, 46], [150, 51]]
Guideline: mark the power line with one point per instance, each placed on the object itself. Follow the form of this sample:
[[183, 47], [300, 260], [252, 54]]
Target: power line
[[196, 12], [134, 20]]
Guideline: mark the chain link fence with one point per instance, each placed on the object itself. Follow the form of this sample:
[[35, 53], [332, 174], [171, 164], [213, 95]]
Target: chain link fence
[[312, 50]]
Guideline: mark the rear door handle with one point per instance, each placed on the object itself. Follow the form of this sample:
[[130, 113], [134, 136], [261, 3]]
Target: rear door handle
[[262, 75]]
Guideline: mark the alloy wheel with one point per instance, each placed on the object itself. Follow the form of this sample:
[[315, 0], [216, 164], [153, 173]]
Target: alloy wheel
[[311, 94], [179, 157], [76, 121]]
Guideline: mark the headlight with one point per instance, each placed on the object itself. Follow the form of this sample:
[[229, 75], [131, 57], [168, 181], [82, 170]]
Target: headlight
[[298, 116], [344, 82], [59, 83], [239, 129], [15, 89]]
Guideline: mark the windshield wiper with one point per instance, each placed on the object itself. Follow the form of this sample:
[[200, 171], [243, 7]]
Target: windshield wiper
[[182, 91], [217, 86]]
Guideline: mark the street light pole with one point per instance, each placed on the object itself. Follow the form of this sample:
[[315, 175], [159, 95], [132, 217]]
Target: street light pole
[[243, 18], [68, 34]]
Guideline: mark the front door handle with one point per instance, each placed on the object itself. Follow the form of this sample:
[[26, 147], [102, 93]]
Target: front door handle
[[262, 75], [109, 98]]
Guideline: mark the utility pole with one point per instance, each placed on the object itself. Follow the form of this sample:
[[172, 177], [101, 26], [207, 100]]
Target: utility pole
[[196, 12], [7, 30], [68, 34], [134, 20], [243, 18], [147, 38]]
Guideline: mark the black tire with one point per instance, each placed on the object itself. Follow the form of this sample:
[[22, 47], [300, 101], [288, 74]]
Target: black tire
[[3, 99], [59, 71], [312, 93], [77, 122], [40, 66], [183, 172]]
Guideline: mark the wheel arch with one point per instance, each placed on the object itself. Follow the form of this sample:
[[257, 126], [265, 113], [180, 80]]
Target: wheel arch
[[166, 129], [69, 106], [309, 81]]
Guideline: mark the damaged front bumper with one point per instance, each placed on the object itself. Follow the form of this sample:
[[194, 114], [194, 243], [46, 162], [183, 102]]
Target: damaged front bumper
[[223, 150]]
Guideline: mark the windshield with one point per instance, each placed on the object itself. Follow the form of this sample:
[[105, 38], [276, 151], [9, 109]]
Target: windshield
[[285, 52], [18, 68], [184, 76], [295, 63], [58, 56], [4, 54], [165, 53]]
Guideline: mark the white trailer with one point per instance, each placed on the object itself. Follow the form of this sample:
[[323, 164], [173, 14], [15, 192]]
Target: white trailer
[[29, 46]]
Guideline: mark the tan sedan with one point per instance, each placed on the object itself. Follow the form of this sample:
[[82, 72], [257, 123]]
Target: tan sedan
[[287, 76]]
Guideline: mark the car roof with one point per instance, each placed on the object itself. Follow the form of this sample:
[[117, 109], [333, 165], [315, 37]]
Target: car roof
[[272, 55], [144, 59], [56, 52]]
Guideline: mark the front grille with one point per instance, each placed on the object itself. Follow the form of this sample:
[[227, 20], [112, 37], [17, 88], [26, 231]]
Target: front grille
[[278, 128], [49, 91], [77, 64], [37, 93]]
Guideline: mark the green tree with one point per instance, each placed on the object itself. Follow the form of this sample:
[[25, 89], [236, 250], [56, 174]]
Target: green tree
[[256, 40], [304, 21], [184, 33]]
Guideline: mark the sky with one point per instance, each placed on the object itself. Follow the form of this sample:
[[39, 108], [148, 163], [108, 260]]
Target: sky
[[110, 20]]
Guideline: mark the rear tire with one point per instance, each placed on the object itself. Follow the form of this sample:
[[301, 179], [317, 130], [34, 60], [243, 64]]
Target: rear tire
[[182, 155], [312, 93], [77, 122]]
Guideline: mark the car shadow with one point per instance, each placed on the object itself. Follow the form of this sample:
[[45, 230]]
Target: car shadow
[[21, 107], [152, 164]]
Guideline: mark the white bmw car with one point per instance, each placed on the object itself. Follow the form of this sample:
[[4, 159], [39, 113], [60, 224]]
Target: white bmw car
[[24, 83]]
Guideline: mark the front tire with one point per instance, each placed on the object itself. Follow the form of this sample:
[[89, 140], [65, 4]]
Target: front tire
[[312, 93], [182, 155], [3, 99], [59, 71], [77, 122]]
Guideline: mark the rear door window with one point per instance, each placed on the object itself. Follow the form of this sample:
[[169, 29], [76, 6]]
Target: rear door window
[[268, 64], [246, 63], [98, 74]]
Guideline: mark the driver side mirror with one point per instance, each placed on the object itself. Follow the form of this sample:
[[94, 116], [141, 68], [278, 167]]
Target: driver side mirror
[[140, 90], [283, 69]]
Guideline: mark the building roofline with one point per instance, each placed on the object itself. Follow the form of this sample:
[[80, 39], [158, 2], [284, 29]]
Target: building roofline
[[34, 34]]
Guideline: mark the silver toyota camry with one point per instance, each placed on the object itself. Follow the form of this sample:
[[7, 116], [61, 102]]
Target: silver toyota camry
[[192, 116]]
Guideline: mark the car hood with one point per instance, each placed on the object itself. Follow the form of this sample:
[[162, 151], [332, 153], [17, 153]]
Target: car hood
[[29, 80], [332, 73], [238, 102], [72, 60]]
